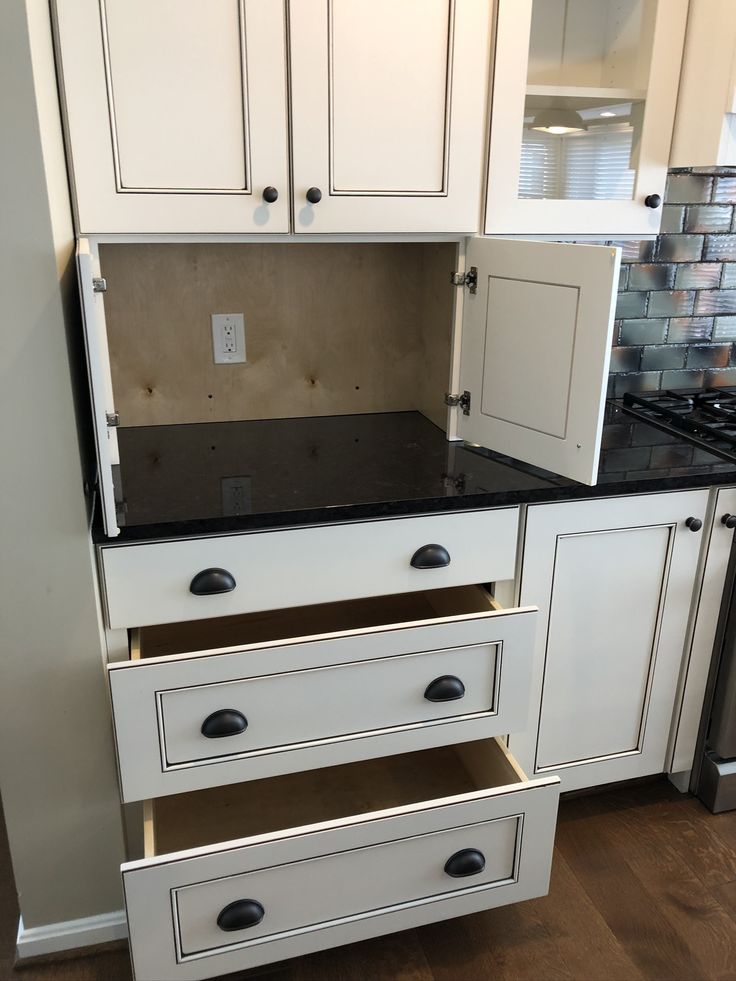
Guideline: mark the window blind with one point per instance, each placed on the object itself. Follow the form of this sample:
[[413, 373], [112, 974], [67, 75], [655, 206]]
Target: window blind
[[587, 166]]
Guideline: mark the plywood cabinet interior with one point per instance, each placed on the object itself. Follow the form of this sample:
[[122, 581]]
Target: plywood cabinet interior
[[583, 104], [614, 582], [177, 110], [356, 328]]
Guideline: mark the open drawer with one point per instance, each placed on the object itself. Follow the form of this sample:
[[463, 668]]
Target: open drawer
[[382, 845], [215, 702]]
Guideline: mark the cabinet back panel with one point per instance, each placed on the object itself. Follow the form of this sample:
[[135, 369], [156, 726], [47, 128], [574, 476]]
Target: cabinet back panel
[[329, 329]]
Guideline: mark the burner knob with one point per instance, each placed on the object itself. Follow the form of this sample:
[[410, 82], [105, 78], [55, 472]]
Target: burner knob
[[694, 524], [729, 520]]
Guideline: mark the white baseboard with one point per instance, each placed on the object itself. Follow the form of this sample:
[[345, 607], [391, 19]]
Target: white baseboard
[[53, 937]]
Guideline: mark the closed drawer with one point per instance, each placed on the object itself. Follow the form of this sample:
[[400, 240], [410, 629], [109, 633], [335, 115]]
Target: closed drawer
[[151, 583], [384, 845], [220, 701]]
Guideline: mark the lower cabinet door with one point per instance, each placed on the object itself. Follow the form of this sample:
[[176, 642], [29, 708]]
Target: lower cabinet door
[[244, 875], [613, 579]]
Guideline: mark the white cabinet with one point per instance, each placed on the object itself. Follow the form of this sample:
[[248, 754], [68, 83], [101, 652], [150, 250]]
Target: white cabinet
[[613, 579], [177, 114], [388, 103], [524, 352], [581, 120], [705, 122]]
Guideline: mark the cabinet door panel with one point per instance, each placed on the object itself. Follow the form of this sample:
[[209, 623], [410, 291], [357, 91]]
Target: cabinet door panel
[[166, 122], [614, 583], [389, 95], [175, 114], [601, 643], [387, 114], [536, 342]]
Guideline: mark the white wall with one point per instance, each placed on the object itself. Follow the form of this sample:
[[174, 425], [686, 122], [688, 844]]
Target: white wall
[[57, 775]]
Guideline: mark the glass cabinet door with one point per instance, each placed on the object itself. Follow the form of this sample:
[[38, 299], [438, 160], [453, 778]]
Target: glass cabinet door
[[582, 113]]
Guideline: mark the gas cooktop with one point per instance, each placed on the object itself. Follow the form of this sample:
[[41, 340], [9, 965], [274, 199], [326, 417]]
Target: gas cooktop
[[705, 417]]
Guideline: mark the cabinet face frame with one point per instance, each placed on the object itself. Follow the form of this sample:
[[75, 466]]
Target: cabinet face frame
[[546, 526], [102, 203], [505, 212]]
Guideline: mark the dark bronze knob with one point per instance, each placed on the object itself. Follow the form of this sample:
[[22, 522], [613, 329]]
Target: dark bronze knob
[[314, 195], [270, 195], [469, 861], [694, 524], [448, 688], [240, 914], [653, 200], [729, 520], [209, 582], [430, 557], [224, 722]]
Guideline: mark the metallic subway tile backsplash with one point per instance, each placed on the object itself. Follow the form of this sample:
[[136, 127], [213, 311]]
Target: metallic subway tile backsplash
[[676, 310]]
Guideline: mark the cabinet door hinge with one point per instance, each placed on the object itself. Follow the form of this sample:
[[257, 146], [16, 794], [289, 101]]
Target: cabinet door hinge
[[99, 284], [459, 400], [113, 419], [469, 279]]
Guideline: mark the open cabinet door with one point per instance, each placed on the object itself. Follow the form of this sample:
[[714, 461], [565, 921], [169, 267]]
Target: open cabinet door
[[100, 381], [536, 341]]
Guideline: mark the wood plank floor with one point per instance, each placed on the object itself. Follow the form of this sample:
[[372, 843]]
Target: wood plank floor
[[643, 886]]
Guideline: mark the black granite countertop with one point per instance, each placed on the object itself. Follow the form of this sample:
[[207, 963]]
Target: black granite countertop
[[213, 478]]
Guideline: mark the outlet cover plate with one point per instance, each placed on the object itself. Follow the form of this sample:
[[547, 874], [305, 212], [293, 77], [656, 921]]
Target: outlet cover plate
[[228, 338]]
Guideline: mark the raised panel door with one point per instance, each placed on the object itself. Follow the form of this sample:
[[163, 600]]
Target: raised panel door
[[176, 114], [614, 581], [388, 114]]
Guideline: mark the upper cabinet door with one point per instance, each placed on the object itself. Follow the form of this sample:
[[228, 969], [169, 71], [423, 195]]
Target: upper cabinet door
[[388, 108], [536, 342], [583, 105], [176, 114]]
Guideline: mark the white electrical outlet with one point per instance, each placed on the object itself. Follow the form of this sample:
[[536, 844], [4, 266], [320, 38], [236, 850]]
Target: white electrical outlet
[[228, 338], [236, 495]]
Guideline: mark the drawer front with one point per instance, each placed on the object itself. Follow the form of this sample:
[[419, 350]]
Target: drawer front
[[330, 702], [331, 884], [317, 703], [306, 894], [150, 583]]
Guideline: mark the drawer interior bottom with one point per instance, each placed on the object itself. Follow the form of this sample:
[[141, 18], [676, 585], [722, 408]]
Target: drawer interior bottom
[[279, 625], [205, 817]]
